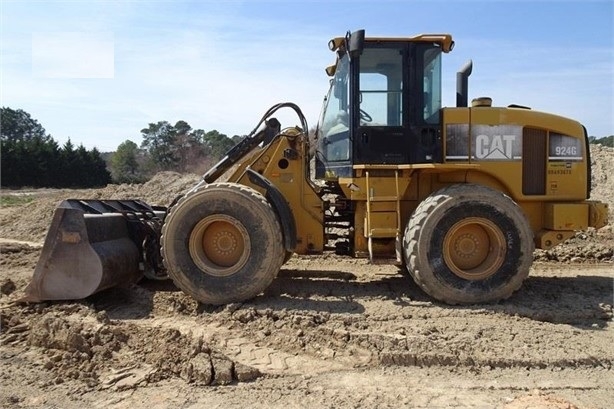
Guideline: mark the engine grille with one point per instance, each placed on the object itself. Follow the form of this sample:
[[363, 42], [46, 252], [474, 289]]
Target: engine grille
[[534, 156]]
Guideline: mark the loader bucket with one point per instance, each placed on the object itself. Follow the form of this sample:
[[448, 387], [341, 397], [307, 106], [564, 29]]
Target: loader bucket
[[91, 246]]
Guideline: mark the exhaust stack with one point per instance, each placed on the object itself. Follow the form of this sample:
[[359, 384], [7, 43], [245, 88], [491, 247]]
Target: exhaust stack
[[462, 84]]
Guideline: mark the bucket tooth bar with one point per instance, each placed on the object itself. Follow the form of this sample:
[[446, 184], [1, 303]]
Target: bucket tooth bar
[[128, 207]]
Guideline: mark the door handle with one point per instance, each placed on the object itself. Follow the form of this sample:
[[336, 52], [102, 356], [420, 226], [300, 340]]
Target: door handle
[[365, 138]]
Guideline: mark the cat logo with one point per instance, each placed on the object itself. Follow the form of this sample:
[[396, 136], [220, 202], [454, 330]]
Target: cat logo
[[488, 142], [496, 142], [494, 147]]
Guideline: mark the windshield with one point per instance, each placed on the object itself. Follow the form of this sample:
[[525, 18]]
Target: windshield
[[333, 130]]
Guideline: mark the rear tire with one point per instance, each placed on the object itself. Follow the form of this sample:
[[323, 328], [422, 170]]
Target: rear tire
[[222, 243], [468, 244]]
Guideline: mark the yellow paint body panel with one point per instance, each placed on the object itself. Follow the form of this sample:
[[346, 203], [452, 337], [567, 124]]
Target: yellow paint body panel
[[546, 239], [565, 180], [566, 216], [445, 40]]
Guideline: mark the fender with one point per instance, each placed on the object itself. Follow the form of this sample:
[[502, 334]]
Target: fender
[[279, 203]]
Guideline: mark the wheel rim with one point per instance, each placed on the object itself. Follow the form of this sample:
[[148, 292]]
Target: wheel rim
[[474, 248], [219, 245]]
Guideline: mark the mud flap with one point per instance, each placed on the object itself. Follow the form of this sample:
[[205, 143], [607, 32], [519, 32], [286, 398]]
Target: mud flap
[[84, 254]]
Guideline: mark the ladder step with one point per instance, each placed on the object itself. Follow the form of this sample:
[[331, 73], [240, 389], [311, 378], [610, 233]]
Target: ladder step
[[383, 198]]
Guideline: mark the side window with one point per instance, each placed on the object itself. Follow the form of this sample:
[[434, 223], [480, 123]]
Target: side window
[[432, 86], [381, 86]]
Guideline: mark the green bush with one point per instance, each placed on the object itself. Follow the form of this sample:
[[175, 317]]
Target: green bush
[[605, 141]]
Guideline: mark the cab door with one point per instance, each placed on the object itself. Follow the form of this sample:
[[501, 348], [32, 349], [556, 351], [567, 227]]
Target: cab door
[[398, 95], [380, 136]]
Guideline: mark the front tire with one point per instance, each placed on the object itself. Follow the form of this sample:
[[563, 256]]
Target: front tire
[[468, 244], [222, 244]]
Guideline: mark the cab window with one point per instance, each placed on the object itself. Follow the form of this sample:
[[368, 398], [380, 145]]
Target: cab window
[[381, 87]]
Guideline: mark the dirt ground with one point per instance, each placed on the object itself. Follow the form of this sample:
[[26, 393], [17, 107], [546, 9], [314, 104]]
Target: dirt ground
[[330, 332]]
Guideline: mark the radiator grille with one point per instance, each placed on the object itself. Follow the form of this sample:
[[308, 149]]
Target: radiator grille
[[534, 161]]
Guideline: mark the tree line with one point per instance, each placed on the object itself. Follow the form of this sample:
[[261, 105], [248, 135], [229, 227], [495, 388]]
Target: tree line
[[31, 157], [605, 141]]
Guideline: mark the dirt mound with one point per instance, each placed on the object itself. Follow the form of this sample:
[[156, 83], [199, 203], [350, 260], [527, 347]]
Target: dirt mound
[[161, 190], [31, 221], [602, 177]]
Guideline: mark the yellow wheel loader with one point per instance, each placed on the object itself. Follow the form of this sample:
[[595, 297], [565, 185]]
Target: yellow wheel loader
[[461, 196]]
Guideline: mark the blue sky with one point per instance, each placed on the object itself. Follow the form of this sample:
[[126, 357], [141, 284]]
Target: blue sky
[[100, 71]]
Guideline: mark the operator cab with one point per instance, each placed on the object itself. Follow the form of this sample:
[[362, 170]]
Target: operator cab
[[383, 105]]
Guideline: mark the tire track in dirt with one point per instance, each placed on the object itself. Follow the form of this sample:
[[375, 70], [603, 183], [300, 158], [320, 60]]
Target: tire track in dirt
[[244, 350]]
